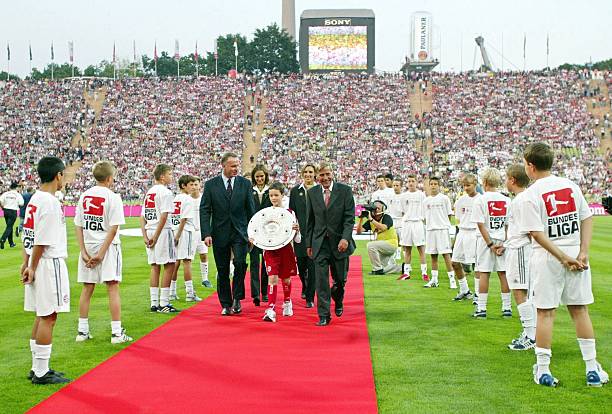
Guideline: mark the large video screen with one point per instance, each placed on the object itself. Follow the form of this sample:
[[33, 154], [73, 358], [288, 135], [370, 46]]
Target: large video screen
[[337, 48]]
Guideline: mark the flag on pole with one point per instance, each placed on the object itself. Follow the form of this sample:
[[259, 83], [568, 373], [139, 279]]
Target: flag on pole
[[235, 47], [114, 60], [196, 53], [8, 52], [134, 50], [52, 54], [547, 45], [30, 52], [155, 52], [177, 55], [71, 51], [524, 44]]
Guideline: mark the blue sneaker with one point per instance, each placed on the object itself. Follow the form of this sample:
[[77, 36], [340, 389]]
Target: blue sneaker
[[546, 380], [597, 378]]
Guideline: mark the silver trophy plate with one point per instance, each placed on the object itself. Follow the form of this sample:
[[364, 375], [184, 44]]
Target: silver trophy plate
[[271, 228]]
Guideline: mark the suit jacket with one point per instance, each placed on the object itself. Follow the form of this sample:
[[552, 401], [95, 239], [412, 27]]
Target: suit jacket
[[297, 203], [335, 221], [265, 200], [219, 213]]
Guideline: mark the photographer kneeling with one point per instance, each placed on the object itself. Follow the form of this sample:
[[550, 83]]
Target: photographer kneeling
[[382, 250]]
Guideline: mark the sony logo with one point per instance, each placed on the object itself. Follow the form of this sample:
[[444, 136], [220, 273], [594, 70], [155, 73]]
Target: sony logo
[[337, 22]]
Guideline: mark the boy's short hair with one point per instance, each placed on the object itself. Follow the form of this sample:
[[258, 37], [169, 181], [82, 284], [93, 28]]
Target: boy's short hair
[[492, 176], [389, 176], [469, 178], [540, 155], [380, 176], [13, 185], [161, 169], [102, 170], [227, 156], [411, 176], [399, 180], [186, 179], [262, 168], [436, 179], [48, 168], [277, 185], [517, 171]]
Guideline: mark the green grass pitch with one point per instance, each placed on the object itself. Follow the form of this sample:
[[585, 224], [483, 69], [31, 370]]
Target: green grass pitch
[[428, 354]]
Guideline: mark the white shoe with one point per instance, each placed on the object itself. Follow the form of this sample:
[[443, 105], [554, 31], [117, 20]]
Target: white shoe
[[431, 284], [453, 283], [288, 308], [193, 298], [270, 315], [83, 336], [121, 338], [173, 296]]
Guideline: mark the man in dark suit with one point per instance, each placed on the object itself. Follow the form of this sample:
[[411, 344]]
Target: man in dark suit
[[225, 211], [329, 241], [260, 179], [297, 202]]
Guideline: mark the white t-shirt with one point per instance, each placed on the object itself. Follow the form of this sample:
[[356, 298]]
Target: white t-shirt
[[183, 209], [413, 205], [11, 200], [491, 209], [59, 195], [396, 206], [463, 211], [383, 195], [436, 210], [158, 200], [99, 209], [196, 212], [555, 206], [516, 238], [45, 225]]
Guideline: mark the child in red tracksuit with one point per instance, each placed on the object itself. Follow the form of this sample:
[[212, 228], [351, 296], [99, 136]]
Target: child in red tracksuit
[[280, 263]]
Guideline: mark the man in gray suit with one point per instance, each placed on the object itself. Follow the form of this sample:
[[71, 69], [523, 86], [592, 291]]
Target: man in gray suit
[[329, 241]]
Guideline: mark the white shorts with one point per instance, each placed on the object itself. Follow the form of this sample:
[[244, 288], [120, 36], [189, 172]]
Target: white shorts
[[554, 285], [486, 260], [438, 242], [464, 250], [50, 291], [412, 234], [186, 246], [107, 271], [398, 224], [164, 251], [518, 273], [201, 248]]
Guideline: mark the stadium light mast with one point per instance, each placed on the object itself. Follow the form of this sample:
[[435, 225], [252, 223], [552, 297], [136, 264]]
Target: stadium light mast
[[288, 17], [485, 56]]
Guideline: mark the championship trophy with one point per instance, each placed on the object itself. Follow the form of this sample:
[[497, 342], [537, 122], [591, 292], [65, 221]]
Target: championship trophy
[[271, 228]]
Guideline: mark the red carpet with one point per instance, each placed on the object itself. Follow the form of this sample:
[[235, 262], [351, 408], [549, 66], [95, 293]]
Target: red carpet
[[202, 362]]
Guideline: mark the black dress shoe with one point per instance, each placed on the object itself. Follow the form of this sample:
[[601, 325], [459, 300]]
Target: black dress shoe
[[226, 312], [264, 298], [377, 272], [309, 304], [303, 295], [323, 321], [339, 309], [256, 301], [237, 308]]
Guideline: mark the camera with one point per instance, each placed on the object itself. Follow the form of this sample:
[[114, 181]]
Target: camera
[[367, 210]]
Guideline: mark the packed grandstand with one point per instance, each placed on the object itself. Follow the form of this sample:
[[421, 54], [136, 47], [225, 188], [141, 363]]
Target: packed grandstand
[[364, 124]]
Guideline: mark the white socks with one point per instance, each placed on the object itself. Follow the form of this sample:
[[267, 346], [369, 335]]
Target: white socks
[[506, 301], [423, 269], [451, 275], [482, 301], [407, 268], [116, 327], [154, 292], [434, 276], [164, 299], [587, 348], [463, 285], [527, 314], [189, 288], [543, 356], [204, 270], [33, 351], [42, 354], [173, 287], [83, 325], [476, 286]]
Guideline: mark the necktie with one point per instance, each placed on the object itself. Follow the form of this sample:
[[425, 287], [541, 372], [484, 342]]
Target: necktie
[[327, 197], [229, 188]]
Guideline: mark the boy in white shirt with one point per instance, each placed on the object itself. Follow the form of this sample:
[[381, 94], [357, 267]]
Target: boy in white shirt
[[382, 192], [437, 212], [396, 211], [201, 248], [558, 218], [464, 251], [43, 271], [518, 253], [99, 214], [185, 236], [413, 230], [490, 215], [158, 237]]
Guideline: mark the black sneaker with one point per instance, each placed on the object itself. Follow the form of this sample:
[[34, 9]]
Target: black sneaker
[[31, 374], [480, 314], [154, 308], [50, 377], [12, 244], [507, 313], [1, 245], [167, 309], [463, 296]]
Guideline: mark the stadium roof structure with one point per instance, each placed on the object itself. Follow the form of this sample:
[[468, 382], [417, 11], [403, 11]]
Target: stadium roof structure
[[334, 13]]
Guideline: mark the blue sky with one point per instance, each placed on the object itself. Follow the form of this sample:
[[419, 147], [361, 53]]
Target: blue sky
[[578, 30]]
